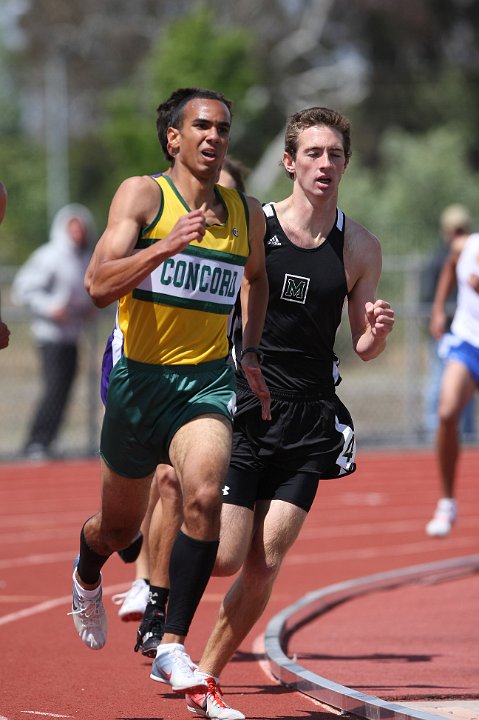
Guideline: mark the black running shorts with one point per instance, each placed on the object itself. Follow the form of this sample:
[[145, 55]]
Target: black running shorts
[[307, 439]]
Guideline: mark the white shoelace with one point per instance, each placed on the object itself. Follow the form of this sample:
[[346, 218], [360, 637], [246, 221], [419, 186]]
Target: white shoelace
[[88, 608]]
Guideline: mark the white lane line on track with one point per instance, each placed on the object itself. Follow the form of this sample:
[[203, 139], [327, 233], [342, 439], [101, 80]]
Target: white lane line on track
[[43, 559], [22, 598], [40, 519], [39, 535], [423, 548], [45, 714], [50, 604], [390, 527], [295, 558]]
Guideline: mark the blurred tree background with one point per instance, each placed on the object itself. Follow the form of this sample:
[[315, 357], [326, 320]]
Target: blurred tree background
[[80, 82]]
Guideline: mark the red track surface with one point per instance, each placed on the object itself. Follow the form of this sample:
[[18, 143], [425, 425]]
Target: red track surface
[[371, 522], [422, 645]]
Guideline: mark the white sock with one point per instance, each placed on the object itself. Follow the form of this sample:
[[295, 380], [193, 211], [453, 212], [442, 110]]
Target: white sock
[[447, 504], [87, 594], [209, 675], [166, 647]]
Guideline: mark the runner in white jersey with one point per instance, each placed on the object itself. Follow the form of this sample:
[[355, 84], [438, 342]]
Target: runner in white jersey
[[461, 377], [466, 319]]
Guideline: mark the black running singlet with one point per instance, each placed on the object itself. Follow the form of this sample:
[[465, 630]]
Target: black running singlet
[[307, 289]]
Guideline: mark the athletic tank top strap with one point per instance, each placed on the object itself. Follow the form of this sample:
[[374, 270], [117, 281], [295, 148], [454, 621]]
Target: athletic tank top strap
[[335, 236]]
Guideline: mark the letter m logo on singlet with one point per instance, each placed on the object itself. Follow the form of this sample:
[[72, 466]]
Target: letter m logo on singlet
[[295, 288]]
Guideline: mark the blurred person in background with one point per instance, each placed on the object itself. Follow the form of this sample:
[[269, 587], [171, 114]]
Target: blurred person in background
[[4, 335], [233, 174], [455, 223], [4, 331], [3, 201], [460, 348], [50, 284]]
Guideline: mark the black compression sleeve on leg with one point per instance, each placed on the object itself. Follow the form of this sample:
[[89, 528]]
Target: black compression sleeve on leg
[[130, 553], [90, 563], [191, 565]]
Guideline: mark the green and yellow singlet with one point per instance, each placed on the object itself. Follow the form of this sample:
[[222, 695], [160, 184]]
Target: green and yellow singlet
[[178, 314]]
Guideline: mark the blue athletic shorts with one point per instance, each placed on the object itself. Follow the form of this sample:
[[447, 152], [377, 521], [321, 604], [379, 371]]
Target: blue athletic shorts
[[453, 348]]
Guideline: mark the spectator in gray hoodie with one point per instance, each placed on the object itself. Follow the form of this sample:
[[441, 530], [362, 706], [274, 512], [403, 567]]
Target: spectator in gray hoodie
[[51, 285], [4, 331]]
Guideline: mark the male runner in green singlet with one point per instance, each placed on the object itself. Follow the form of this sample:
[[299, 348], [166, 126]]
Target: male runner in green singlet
[[175, 252]]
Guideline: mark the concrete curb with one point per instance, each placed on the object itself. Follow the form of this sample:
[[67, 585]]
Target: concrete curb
[[315, 603]]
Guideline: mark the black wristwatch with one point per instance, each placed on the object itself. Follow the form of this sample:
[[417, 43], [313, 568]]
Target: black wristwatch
[[254, 350]]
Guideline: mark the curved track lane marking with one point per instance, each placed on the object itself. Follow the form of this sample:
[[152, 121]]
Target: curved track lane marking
[[291, 674]]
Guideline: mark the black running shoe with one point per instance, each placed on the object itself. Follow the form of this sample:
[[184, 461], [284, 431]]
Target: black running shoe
[[150, 632]]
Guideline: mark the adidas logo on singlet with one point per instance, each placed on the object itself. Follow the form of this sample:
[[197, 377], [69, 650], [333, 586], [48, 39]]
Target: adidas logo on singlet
[[274, 241]]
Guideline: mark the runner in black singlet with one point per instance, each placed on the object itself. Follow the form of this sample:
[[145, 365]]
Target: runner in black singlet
[[316, 258]]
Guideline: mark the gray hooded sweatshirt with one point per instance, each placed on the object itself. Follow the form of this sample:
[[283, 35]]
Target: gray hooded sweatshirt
[[52, 278]]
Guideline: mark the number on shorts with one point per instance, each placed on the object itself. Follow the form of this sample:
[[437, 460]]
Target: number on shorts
[[348, 453]]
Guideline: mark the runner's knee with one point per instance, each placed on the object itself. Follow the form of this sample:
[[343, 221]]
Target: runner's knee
[[227, 563], [202, 510], [118, 537]]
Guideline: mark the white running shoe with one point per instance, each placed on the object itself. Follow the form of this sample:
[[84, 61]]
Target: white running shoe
[[89, 614], [173, 665], [133, 602], [210, 704], [443, 519]]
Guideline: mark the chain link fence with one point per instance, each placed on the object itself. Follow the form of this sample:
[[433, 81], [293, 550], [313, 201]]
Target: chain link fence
[[386, 396]]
